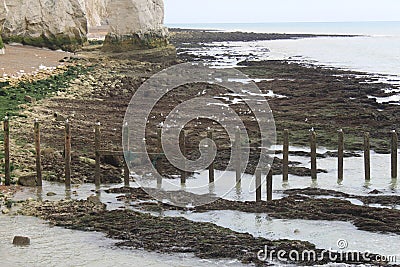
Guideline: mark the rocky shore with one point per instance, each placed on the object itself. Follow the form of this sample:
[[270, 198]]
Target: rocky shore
[[176, 235], [97, 87], [306, 204], [326, 99], [194, 38]]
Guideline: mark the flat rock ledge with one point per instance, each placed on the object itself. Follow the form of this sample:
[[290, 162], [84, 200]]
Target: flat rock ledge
[[138, 41], [172, 235]]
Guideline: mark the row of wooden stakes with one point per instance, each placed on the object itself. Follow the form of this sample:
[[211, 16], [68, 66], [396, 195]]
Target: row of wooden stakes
[[285, 164]]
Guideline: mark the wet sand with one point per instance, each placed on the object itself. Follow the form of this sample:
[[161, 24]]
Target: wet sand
[[21, 59]]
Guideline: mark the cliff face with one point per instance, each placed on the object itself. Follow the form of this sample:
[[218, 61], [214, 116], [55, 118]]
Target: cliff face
[[2, 19], [49, 23], [135, 24], [96, 11]]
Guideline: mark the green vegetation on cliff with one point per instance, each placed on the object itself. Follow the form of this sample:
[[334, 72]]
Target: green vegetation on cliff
[[56, 42]]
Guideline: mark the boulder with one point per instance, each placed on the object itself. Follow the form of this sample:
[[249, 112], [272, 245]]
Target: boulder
[[56, 24], [112, 160], [94, 199], [5, 211], [29, 99], [135, 24], [21, 241], [27, 180], [87, 160]]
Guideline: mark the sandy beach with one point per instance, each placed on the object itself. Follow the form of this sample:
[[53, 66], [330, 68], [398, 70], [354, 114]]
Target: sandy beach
[[20, 60]]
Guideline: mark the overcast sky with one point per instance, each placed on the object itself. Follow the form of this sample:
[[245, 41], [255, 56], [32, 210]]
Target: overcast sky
[[241, 11]]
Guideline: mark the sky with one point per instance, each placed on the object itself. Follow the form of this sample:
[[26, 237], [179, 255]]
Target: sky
[[253, 11]]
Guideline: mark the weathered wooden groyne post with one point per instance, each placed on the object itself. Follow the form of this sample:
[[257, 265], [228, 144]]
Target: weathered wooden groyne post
[[7, 170], [211, 167], [394, 147], [67, 155], [38, 153], [97, 144], [367, 157], [340, 155], [182, 141], [125, 132], [258, 184], [285, 161], [238, 150], [159, 152], [313, 146], [269, 185]]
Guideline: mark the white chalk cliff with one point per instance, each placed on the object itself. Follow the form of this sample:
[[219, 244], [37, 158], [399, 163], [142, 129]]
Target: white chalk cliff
[[96, 11], [135, 24], [2, 19], [52, 23], [133, 16], [64, 24]]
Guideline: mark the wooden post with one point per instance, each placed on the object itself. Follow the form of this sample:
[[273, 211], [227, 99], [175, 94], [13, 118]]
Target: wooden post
[[126, 174], [159, 151], [97, 145], [7, 151], [67, 155], [258, 185], [238, 151], [394, 146], [340, 154], [313, 145], [182, 141], [38, 153], [285, 162], [211, 167], [125, 132], [367, 157], [269, 186]]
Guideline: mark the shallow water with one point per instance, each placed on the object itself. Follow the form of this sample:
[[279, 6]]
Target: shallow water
[[375, 51], [324, 234], [225, 183], [378, 55], [353, 183], [56, 246], [82, 246]]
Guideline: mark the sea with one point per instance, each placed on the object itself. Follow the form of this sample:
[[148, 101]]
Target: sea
[[375, 49]]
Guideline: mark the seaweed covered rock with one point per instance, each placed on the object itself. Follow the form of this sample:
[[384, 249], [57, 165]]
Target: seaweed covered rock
[[56, 24], [135, 24]]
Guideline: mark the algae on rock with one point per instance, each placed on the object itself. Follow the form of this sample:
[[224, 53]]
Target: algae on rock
[[44, 23]]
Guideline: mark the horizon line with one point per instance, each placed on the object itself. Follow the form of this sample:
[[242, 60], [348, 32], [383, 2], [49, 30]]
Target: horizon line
[[350, 21]]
